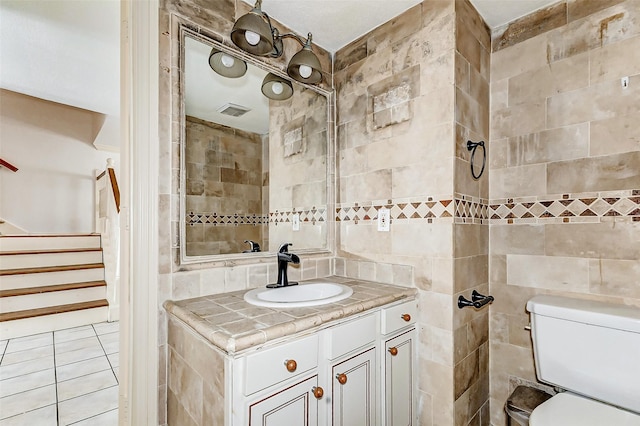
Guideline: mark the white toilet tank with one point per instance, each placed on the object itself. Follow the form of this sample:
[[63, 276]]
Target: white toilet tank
[[587, 347]]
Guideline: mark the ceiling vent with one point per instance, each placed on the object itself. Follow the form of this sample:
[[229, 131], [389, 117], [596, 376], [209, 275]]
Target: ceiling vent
[[233, 110]]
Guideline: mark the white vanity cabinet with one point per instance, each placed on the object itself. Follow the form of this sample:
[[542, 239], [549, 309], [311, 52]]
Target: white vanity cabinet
[[398, 379], [356, 370]]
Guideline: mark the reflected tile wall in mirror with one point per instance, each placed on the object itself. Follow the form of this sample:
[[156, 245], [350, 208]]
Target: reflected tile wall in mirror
[[246, 177], [223, 188]]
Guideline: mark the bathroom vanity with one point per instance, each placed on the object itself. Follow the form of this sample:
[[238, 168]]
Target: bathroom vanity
[[347, 363]]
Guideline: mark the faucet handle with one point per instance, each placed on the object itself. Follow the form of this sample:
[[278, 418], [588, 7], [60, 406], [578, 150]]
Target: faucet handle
[[254, 247], [284, 248]]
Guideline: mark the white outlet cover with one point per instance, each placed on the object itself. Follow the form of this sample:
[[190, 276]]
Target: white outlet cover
[[296, 222], [384, 218]]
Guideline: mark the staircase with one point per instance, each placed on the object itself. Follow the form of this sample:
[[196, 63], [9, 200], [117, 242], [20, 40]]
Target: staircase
[[50, 282]]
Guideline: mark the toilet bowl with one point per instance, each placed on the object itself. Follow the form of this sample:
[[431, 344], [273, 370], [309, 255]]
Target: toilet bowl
[[569, 409], [591, 349]]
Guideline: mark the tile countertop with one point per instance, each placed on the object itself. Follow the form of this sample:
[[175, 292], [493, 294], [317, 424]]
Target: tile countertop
[[232, 324]]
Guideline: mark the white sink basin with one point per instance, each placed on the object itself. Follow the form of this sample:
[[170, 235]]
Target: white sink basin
[[298, 296]]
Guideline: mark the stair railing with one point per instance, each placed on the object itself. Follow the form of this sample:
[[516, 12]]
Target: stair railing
[[8, 165], [107, 224]]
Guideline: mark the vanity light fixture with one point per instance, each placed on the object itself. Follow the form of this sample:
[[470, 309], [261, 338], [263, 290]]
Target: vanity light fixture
[[276, 88], [226, 65], [254, 34]]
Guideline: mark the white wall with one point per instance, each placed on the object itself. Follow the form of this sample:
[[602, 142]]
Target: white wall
[[51, 144]]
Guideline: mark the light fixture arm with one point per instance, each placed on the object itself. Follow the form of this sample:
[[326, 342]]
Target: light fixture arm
[[278, 48], [296, 37], [277, 37]]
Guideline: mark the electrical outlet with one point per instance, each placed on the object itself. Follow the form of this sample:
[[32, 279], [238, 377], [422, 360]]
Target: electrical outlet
[[384, 218], [624, 82], [296, 221]]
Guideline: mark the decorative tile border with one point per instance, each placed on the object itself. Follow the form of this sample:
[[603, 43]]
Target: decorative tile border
[[432, 209], [307, 216], [225, 220], [568, 208], [562, 208], [471, 210]]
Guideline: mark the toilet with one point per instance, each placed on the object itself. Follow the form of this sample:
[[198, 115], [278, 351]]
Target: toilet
[[592, 351]]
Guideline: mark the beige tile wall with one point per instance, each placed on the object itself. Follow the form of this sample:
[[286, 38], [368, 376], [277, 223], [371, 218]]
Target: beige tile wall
[[298, 181], [471, 240], [565, 171], [415, 163], [195, 394], [404, 162]]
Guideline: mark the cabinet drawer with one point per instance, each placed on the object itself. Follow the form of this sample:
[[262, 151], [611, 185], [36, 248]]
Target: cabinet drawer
[[268, 366], [399, 316], [352, 335]]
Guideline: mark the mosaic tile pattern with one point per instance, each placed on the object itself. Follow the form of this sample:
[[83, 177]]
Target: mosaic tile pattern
[[471, 210], [225, 220], [567, 208], [311, 215], [432, 209], [563, 208]]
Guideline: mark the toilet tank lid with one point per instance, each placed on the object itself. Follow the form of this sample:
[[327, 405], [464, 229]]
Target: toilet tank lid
[[620, 317]]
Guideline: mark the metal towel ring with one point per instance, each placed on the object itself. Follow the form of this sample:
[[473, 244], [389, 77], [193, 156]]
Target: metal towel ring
[[472, 146]]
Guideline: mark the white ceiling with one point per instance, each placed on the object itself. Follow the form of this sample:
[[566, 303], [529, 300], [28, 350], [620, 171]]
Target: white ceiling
[[67, 51], [498, 13], [62, 51], [335, 23]]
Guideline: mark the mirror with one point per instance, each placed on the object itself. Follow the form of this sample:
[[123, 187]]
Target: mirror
[[252, 169]]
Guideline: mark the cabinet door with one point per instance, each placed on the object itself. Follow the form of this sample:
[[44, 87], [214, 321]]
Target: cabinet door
[[354, 390], [292, 406], [399, 380]]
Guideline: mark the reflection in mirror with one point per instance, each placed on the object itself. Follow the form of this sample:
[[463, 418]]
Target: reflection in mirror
[[250, 164]]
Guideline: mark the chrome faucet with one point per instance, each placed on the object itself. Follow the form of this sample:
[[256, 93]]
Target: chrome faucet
[[253, 247], [284, 258]]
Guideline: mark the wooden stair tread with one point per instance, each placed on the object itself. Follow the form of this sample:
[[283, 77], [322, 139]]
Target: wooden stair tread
[[50, 288], [30, 313], [50, 269], [52, 251]]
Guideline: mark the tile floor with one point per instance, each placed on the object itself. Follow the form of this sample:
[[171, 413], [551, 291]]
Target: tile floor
[[66, 377]]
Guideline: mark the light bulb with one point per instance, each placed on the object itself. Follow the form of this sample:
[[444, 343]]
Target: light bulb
[[252, 38], [227, 60], [305, 71], [277, 88]]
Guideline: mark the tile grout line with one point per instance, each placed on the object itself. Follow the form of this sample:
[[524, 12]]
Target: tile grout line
[[55, 375], [55, 372], [107, 355], [4, 351], [94, 416], [83, 375]]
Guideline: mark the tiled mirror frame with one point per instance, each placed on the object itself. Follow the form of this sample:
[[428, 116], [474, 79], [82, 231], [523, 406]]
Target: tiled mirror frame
[[181, 28]]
